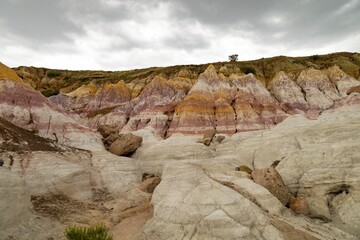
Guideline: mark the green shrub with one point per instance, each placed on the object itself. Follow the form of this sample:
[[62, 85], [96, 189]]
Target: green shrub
[[50, 92], [315, 57], [53, 74], [248, 70], [34, 130], [97, 232]]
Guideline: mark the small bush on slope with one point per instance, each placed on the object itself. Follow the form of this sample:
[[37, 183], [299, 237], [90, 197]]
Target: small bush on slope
[[53, 74], [248, 70], [97, 232]]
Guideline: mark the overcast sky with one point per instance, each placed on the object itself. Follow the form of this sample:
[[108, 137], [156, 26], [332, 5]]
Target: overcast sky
[[127, 34]]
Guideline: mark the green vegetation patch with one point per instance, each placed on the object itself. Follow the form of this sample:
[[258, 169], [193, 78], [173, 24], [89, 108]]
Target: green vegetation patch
[[97, 232], [248, 70], [315, 57], [52, 74], [50, 92]]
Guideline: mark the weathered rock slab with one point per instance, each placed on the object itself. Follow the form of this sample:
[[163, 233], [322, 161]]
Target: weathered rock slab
[[271, 180]]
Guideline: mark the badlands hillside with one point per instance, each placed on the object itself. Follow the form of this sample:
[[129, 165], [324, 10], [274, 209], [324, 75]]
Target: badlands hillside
[[263, 149]]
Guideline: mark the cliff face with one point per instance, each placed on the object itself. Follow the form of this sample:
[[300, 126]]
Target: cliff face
[[228, 97], [227, 104]]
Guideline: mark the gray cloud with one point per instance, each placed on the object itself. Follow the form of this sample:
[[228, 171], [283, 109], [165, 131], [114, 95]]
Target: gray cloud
[[195, 31], [39, 21], [187, 42], [298, 23]]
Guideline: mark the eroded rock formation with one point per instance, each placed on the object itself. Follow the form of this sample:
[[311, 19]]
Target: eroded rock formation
[[29, 109], [227, 104], [200, 195]]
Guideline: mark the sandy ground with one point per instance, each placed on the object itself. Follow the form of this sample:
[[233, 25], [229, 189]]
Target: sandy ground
[[124, 225]]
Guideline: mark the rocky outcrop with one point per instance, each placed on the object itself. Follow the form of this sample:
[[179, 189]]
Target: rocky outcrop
[[341, 80], [233, 208], [110, 95], [155, 105], [316, 160], [219, 215], [228, 103], [207, 106], [320, 92], [29, 109], [96, 104], [90, 99], [333, 199], [255, 108], [78, 101], [288, 93]]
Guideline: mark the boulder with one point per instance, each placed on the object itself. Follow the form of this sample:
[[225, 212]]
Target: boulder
[[125, 144], [209, 134], [270, 179], [298, 205], [208, 137], [149, 184], [110, 139], [219, 138]]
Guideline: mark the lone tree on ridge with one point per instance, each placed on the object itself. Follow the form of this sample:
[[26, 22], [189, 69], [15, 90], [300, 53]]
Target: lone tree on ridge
[[233, 58]]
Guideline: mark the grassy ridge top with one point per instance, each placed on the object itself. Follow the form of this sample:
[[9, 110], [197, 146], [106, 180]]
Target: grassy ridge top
[[51, 81]]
